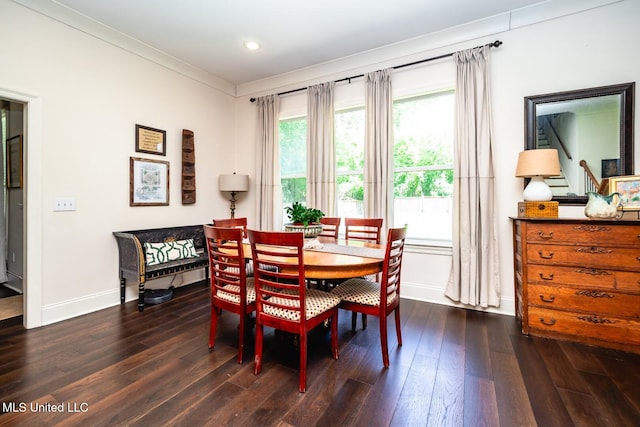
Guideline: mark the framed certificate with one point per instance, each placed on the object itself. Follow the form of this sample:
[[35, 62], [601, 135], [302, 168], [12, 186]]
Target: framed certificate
[[150, 140]]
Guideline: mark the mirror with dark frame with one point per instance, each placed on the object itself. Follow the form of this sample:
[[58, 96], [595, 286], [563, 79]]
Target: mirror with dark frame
[[592, 129]]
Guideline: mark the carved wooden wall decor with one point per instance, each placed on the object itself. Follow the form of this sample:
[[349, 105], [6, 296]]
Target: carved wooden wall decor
[[188, 168]]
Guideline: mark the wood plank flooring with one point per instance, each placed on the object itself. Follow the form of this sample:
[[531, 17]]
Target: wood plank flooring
[[456, 368]]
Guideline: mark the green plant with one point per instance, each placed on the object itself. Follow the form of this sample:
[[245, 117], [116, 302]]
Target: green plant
[[300, 214]]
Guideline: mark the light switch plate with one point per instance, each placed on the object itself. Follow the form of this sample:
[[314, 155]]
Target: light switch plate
[[64, 204]]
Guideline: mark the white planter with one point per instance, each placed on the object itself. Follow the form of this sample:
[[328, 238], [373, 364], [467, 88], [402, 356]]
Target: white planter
[[311, 230]]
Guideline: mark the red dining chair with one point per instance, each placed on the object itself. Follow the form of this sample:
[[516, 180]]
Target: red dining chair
[[236, 223], [283, 301], [232, 222], [368, 230], [330, 226], [231, 289], [378, 299]]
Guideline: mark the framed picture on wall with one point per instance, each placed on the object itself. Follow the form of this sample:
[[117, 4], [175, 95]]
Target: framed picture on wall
[[610, 167], [150, 140], [14, 162], [148, 182]]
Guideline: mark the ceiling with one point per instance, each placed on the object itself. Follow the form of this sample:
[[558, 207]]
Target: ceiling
[[293, 34]]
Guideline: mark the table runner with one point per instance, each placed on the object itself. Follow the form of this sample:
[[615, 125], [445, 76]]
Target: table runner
[[349, 250]]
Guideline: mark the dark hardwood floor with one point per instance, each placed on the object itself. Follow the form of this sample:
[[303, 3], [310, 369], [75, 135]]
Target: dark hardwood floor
[[456, 368]]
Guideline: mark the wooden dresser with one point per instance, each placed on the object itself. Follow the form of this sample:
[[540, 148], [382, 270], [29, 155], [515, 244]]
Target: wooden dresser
[[579, 280]]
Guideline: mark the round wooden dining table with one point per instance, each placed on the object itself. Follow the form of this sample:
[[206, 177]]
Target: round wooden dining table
[[339, 259]]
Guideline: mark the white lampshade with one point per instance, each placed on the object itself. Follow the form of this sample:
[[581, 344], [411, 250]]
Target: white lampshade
[[538, 164], [234, 182]]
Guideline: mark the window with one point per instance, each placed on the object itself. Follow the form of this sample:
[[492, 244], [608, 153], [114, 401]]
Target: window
[[349, 149], [423, 165], [293, 160]]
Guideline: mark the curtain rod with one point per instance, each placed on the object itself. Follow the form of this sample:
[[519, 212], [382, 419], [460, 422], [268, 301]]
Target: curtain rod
[[496, 43]]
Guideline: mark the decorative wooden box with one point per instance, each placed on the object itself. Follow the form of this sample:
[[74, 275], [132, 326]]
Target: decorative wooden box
[[537, 209]]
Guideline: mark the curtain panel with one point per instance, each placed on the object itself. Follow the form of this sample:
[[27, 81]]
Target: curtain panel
[[378, 148], [474, 279], [321, 161], [267, 183]]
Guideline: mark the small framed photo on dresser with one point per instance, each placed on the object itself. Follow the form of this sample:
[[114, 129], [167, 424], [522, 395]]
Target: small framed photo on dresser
[[629, 189]]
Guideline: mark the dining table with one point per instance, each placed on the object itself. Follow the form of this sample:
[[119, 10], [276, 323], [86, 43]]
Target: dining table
[[332, 259]]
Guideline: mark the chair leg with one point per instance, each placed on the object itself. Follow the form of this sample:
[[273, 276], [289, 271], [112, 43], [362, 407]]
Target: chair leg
[[303, 362], [334, 335], [383, 341], [241, 332], [364, 321], [213, 326], [398, 331], [354, 321], [257, 361]]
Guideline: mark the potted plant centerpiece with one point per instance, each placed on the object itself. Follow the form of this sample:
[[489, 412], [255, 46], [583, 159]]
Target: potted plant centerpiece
[[304, 219]]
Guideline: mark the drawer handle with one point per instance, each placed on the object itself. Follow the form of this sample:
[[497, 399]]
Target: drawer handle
[[542, 255], [594, 294], [550, 299], [548, 277], [550, 323], [548, 236]]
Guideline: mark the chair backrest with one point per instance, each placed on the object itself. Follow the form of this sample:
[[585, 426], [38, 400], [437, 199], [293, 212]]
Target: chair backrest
[[232, 222], [226, 261], [390, 283], [367, 229], [330, 226], [279, 275]]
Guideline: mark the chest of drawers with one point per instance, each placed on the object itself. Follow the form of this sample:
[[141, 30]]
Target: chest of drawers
[[579, 280]]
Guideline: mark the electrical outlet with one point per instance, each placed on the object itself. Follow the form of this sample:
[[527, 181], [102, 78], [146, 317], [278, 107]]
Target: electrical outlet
[[64, 204]]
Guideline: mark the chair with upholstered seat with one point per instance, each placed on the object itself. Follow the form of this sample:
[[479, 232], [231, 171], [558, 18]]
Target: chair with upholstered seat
[[378, 298], [231, 289], [330, 227], [283, 301], [367, 230]]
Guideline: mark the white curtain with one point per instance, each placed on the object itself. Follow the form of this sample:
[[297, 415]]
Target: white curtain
[[321, 162], [267, 182], [378, 147], [474, 279]]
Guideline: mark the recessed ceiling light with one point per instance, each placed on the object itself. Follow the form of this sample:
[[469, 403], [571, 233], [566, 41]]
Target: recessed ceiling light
[[251, 45]]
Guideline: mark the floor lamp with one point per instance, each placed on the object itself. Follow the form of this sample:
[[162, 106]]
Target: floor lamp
[[234, 184]]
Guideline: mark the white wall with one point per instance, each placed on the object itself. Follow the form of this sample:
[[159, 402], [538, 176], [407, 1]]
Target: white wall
[[92, 94], [588, 49]]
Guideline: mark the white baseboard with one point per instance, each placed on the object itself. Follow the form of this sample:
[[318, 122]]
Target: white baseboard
[[435, 295], [64, 310]]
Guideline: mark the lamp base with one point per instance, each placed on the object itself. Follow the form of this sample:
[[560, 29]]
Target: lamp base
[[537, 190]]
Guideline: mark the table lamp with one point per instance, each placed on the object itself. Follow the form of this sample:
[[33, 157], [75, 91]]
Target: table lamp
[[538, 164], [233, 183]]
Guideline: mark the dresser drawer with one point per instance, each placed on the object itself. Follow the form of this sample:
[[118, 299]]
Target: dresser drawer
[[596, 234], [585, 255], [584, 276], [603, 302], [544, 321]]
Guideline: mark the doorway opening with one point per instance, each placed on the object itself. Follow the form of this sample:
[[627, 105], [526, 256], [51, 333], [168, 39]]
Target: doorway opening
[[13, 140]]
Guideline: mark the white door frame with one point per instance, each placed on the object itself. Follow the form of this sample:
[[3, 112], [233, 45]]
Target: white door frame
[[32, 213]]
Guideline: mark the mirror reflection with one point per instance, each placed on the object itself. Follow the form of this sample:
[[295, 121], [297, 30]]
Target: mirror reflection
[[591, 129]]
